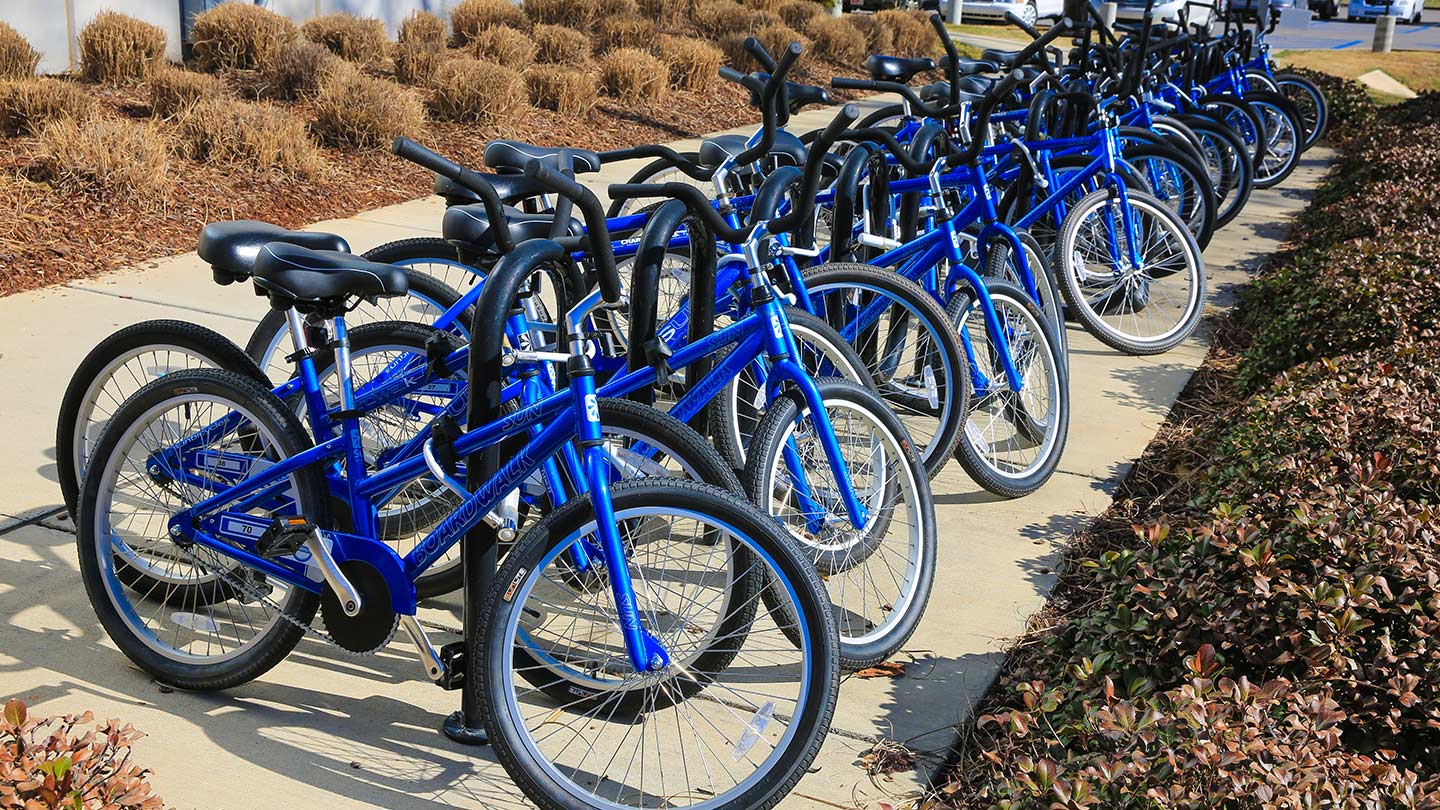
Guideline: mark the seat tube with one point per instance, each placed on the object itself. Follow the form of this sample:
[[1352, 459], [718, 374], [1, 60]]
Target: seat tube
[[361, 509], [315, 403]]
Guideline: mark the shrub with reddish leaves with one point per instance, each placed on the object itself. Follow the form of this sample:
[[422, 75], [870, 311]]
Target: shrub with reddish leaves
[[62, 762], [1255, 623]]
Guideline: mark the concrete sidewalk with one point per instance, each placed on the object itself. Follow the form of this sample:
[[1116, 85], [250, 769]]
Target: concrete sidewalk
[[325, 731]]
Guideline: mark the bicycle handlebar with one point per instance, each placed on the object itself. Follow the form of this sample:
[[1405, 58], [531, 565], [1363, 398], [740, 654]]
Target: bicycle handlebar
[[679, 161], [952, 70], [475, 181], [693, 198], [814, 161], [595, 228]]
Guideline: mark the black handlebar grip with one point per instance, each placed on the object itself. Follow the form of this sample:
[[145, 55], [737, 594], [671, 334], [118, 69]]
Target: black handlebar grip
[[593, 214], [754, 48]]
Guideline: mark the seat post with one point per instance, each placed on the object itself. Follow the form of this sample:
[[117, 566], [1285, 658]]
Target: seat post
[[342, 364], [304, 358]]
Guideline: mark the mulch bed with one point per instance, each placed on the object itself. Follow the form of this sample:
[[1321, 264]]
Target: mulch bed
[[48, 237]]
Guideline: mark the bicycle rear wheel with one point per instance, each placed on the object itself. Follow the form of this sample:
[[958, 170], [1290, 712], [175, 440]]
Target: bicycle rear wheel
[[117, 367], [736, 728]]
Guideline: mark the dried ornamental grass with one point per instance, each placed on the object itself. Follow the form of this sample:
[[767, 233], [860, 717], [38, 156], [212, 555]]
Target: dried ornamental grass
[[558, 45], [504, 46], [297, 70], [798, 13], [474, 90], [174, 90], [913, 37], [631, 31], [562, 89], [693, 63], [361, 111], [417, 62], [776, 37], [733, 46], [238, 35], [118, 49], [109, 158], [664, 12], [837, 40], [633, 75], [17, 58], [878, 36], [720, 18], [28, 105], [262, 136], [422, 27], [471, 17], [361, 40], [581, 14], [764, 5]]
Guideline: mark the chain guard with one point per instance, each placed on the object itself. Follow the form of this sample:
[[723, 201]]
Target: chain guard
[[374, 626]]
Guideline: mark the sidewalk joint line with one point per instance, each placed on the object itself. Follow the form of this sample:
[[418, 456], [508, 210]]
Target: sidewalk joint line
[[32, 520], [172, 305]]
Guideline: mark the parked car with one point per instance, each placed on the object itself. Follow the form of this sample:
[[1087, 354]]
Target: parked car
[[1167, 10], [848, 6], [1409, 11], [1027, 10]]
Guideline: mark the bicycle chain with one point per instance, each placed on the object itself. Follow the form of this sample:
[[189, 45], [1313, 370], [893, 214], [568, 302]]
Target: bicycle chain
[[307, 628]]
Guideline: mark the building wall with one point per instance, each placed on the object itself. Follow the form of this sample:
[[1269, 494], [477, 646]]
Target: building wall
[[52, 26]]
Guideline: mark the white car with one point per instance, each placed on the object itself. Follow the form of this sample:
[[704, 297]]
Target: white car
[[1164, 10], [1407, 10], [1027, 10]]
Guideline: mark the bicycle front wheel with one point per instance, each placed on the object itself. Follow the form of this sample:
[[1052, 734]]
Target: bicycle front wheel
[[736, 717], [1139, 290]]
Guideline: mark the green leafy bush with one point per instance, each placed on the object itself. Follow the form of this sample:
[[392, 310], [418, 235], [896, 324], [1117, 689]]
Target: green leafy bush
[[1256, 620]]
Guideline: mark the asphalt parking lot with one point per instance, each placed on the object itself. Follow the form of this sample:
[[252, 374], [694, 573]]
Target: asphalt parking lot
[[1338, 34]]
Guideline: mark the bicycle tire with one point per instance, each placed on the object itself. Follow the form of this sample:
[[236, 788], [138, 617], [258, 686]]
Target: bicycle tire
[[86, 385]]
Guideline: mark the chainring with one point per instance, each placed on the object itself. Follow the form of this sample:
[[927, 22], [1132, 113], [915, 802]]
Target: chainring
[[371, 629]]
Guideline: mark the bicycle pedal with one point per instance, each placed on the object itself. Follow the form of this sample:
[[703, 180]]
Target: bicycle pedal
[[284, 537], [452, 662]]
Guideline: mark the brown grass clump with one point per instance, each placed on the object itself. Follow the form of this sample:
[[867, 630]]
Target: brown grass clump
[[764, 5], [110, 158], [262, 136], [719, 18], [504, 46], [837, 40], [360, 40], [579, 14], [474, 90], [558, 45], [912, 36], [562, 89], [174, 91], [422, 27], [240, 36], [798, 13], [297, 70], [632, 31], [356, 110], [878, 36], [778, 36], [118, 49], [664, 12], [471, 17], [28, 105], [633, 75], [417, 62], [17, 58], [693, 63]]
